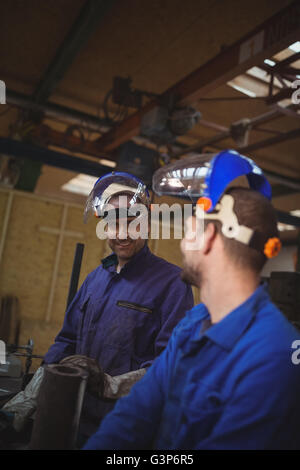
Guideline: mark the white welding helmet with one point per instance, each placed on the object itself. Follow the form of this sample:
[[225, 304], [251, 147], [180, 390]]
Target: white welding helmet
[[111, 185]]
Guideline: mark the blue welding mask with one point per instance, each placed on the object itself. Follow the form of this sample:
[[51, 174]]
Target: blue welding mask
[[114, 184], [204, 179]]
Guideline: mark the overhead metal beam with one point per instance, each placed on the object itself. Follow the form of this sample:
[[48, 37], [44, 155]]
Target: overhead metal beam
[[45, 135], [287, 218], [294, 134], [274, 113], [73, 116], [19, 149], [89, 17], [287, 181], [285, 93], [270, 37], [283, 63], [59, 112], [279, 190]]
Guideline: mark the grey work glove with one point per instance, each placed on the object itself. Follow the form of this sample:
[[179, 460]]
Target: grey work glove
[[24, 404], [95, 384], [120, 385], [102, 385]]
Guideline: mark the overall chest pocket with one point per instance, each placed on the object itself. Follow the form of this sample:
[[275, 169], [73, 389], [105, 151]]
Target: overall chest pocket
[[136, 323], [134, 306], [201, 410]]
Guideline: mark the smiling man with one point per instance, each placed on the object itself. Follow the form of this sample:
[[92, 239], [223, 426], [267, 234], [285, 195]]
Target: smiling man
[[124, 241], [125, 311]]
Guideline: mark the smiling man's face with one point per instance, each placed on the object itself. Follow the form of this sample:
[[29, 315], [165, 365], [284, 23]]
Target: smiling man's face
[[124, 246]]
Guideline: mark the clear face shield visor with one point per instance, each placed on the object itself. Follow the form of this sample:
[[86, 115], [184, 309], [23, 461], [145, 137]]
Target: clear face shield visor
[[112, 185], [208, 176], [203, 179]]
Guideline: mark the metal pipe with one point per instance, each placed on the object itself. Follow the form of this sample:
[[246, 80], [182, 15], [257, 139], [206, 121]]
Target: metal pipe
[[254, 122], [90, 14], [56, 262], [286, 181], [287, 218], [50, 157], [271, 141], [198, 147], [75, 272], [98, 124], [59, 112]]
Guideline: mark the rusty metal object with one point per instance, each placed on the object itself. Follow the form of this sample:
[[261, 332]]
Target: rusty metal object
[[59, 407]]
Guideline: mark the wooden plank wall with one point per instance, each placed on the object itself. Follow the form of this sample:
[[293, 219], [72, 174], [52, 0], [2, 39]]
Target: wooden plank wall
[[28, 260]]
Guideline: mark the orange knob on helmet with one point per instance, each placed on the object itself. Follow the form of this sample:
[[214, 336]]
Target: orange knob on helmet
[[272, 247], [205, 202]]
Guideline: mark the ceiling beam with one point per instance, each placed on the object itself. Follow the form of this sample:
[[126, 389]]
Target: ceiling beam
[[287, 181], [56, 111], [277, 139], [283, 63], [20, 149], [284, 93], [89, 17], [274, 113], [275, 34], [45, 135], [287, 218]]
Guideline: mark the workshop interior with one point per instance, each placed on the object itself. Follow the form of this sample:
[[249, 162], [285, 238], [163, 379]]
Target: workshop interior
[[93, 87]]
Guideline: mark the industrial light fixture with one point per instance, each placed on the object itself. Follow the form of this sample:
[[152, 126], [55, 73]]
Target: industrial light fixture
[[295, 46], [269, 62], [81, 184]]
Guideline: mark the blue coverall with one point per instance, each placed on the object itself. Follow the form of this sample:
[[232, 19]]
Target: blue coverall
[[123, 320], [235, 385]]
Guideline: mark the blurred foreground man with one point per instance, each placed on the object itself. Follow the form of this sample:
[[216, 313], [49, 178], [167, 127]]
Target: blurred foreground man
[[227, 379], [123, 315]]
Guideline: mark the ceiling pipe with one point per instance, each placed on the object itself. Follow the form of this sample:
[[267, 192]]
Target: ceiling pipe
[[254, 122], [21, 149], [90, 15], [59, 112]]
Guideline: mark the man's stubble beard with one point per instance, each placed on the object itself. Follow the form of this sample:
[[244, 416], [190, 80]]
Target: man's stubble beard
[[190, 276]]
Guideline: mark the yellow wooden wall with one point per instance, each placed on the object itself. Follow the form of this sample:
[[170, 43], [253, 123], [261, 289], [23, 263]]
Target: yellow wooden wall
[[28, 260]]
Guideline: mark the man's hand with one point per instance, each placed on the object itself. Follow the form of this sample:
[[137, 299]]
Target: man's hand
[[95, 384]]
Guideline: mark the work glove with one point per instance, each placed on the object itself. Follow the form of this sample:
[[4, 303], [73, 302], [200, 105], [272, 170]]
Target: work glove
[[102, 385], [24, 404], [95, 384], [120, 385]]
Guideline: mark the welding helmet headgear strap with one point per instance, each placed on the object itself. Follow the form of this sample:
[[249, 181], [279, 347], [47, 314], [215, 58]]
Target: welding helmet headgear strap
[[231, 228]]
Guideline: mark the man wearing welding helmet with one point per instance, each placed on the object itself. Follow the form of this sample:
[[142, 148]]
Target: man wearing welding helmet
[[226, 379], [124, 312]]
